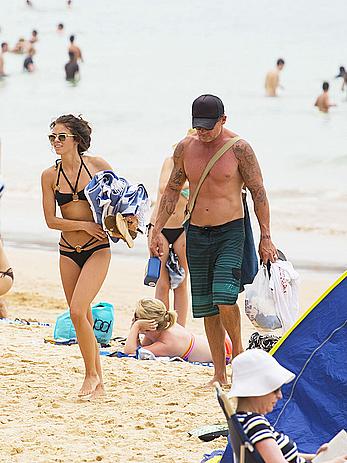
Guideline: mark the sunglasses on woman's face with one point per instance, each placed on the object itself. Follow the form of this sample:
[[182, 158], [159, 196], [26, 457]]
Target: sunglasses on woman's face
[[60, 136]]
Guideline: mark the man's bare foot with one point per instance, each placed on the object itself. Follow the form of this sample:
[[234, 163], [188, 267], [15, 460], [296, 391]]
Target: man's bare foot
[[221, 380], [89, 386], [99, 391]]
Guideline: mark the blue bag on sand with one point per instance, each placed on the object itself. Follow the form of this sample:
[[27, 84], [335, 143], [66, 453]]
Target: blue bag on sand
[[103, 316]]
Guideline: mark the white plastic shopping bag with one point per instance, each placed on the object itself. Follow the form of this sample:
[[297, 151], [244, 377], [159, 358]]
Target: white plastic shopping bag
[[260, 305], [285, 290]]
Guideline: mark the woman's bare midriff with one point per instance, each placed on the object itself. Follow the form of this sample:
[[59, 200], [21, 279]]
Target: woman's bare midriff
[[80, 210]]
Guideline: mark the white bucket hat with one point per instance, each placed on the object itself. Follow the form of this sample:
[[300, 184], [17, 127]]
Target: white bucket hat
[[256, 373]]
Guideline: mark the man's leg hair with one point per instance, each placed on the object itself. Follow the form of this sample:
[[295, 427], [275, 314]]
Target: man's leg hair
[[231, 321], [215, 333]]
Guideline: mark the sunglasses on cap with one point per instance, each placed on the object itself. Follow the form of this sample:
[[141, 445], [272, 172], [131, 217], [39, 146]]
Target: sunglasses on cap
[[60, 136]]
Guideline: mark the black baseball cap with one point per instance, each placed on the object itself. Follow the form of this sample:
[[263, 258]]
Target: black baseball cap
[[206, 110]]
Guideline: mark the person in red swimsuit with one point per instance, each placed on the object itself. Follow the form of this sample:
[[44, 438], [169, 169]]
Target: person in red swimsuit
[[84, 247]]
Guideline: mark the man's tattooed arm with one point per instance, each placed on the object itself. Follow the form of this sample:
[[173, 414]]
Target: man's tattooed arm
[[173, 188], [251, 174]]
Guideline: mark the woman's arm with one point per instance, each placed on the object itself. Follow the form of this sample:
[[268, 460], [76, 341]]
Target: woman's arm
[[57, 223], [133, 340]]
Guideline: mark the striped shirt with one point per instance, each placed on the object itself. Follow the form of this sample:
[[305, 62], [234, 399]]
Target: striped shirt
[[258, 428]]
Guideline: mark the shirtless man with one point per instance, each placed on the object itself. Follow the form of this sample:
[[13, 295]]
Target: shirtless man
[[75, 49], [4, 49], [71, 68], [215, 234], [34, 37], [323, 102], [272, 80]]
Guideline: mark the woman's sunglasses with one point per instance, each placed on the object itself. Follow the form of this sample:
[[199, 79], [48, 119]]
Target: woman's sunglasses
[[60, 136]]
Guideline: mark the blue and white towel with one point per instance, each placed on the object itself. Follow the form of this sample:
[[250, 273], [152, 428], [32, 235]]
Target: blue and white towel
[[108, 194]]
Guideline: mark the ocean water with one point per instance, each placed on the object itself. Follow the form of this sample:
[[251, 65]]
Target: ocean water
[[145, 62]]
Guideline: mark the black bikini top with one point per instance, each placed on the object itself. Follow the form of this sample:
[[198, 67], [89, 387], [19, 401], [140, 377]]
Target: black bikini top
[[64, 198]]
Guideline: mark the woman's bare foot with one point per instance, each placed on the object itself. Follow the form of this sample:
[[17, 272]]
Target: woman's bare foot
[[99, 391], [89, 386]]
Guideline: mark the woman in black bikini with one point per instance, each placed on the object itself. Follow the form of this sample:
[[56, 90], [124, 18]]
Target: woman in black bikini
[[84, 247]]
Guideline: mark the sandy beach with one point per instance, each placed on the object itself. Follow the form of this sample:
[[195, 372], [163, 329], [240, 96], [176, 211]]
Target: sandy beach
[[150, 406]]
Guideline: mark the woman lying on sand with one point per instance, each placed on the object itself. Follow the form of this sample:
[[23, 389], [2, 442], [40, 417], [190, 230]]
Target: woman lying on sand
[[164, 337], [84, 247]]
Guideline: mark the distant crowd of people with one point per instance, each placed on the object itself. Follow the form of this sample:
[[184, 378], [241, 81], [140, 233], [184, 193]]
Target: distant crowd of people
[[27, 48], [272, 84]]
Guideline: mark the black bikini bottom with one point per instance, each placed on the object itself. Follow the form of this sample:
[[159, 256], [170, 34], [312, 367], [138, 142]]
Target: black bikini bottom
[[172, 234], [8, 273], [80, 258]]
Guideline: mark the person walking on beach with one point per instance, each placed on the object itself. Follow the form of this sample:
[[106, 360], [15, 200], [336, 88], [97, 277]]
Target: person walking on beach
[[84, 246], [4, 49], [215, 232], [75, 49], [272, 79], [71, 68], [173, 236], [323, 101]]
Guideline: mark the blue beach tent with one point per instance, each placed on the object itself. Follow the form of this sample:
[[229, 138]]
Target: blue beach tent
[[314, 405]]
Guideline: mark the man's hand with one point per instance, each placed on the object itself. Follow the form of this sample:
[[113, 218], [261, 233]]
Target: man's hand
[[156, 246], [267, 250]]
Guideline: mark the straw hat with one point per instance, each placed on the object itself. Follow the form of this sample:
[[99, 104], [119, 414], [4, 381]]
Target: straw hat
[[256, 373]]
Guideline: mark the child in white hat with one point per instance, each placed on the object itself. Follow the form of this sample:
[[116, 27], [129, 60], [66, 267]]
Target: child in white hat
[[257, 379]]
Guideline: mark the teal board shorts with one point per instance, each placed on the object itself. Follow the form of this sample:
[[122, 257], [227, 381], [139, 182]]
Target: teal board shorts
[[214, 257]]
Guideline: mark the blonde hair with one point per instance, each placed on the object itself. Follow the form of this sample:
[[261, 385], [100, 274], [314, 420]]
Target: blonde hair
[[153, 309]]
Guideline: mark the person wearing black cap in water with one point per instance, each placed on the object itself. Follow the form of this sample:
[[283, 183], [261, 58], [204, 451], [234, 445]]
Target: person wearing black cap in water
[[215, 226]]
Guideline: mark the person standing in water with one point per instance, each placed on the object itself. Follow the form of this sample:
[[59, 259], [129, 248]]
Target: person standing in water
[[323, 101], [34, 37], [28, 64], [72, 68], [73, 48], [272, 80], [84, 246], [4, 49]]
